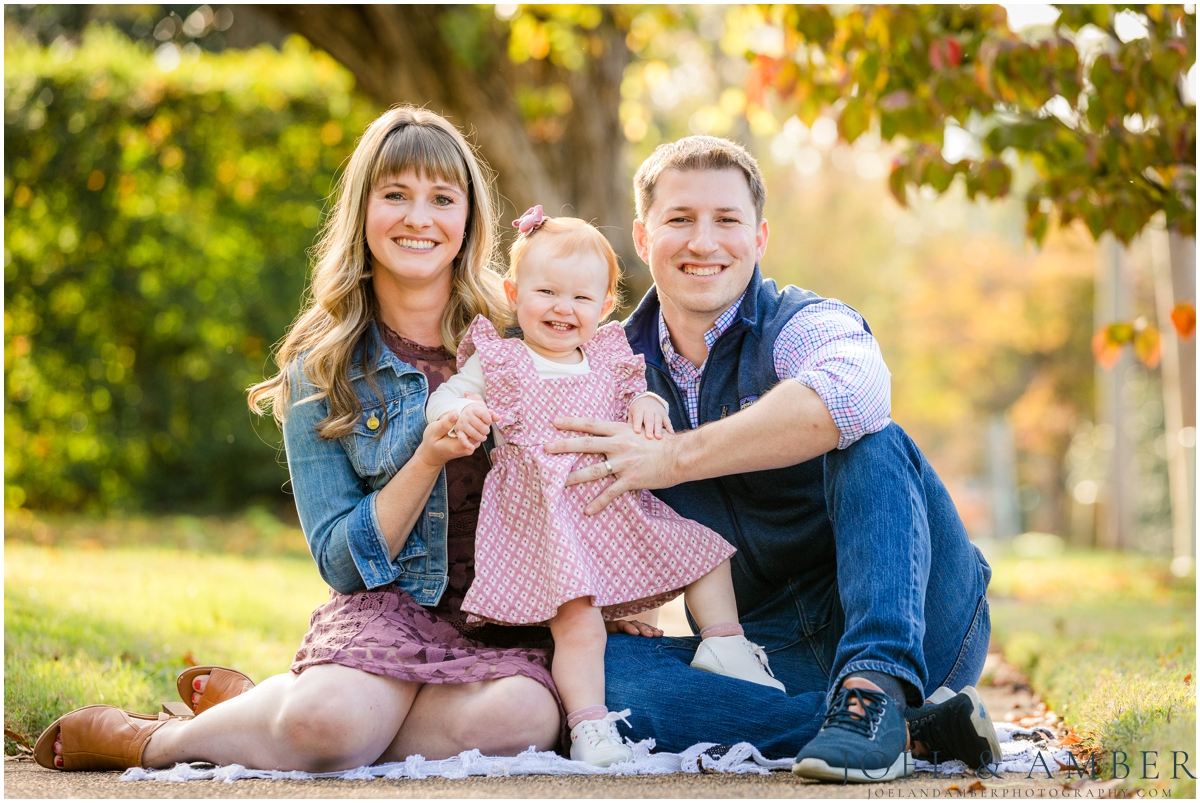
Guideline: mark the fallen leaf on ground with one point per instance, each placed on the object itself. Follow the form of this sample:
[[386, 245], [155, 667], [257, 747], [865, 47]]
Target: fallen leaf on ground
[[18, 738]]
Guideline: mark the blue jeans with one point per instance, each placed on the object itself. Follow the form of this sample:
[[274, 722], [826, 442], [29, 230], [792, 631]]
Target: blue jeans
[[906, 597]]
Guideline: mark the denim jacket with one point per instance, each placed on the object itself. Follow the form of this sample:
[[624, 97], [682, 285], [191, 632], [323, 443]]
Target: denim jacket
[[336, 482]]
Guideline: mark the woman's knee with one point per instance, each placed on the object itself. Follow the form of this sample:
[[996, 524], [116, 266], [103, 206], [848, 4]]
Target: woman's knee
[[315, 728], [330, 724], [510, 715]]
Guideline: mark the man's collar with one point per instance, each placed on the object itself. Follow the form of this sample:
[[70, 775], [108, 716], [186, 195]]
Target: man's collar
[[641, 327], [719, 327]]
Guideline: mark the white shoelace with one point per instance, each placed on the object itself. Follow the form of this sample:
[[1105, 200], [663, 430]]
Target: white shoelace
[[604, 729], [761, 655]]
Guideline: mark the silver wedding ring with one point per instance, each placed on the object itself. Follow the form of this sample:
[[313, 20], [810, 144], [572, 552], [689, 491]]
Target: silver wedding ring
[[608, 466]]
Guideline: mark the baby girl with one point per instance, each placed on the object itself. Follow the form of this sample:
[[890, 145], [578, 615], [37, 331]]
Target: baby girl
[[538, 557]]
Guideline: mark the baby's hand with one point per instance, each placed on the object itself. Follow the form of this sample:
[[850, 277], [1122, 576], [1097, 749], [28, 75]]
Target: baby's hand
[[474, 422], [458, 434], [648, 415]]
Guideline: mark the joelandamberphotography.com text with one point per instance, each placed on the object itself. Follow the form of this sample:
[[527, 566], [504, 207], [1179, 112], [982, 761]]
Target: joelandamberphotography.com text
[[1093, 778]]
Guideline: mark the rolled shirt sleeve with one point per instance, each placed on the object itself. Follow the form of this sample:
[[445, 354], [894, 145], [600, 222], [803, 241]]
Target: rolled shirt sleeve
[[826, 347]]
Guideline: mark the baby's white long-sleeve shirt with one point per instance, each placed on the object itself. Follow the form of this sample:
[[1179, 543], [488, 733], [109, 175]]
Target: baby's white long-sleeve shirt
[[451, 396]]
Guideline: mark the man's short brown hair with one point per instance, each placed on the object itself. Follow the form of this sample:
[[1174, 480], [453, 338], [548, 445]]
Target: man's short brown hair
[[697, 153]]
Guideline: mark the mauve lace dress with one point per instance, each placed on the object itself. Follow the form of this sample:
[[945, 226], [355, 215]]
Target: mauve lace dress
[[385, 632]]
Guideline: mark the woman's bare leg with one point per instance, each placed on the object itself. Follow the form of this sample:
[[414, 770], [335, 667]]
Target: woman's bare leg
[[327, 718], [501, 717]]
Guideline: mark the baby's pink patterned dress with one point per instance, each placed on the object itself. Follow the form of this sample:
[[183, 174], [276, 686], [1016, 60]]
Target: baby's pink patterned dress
[[534, 547]]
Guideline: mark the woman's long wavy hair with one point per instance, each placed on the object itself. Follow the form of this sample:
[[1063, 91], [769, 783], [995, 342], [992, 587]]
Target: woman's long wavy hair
[[341, 303]]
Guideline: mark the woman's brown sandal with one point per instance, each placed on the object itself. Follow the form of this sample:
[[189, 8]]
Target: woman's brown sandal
[[97, 738], [223, 684]]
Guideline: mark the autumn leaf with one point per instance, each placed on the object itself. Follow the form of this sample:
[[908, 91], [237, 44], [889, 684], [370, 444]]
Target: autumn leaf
[[897, 182], [1147, 345], [854, 120], [1119, 333], [1184, 319], [1106, 352], [18, 738], [945, 52]]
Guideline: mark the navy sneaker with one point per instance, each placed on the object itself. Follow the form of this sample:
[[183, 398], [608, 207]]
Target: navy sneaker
[[957, 726], [854, 748]]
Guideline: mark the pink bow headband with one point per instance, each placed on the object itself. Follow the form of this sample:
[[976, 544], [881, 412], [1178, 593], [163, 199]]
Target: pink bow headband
[[528, 222]]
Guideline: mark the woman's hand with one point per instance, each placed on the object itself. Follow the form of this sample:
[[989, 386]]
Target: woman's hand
[[648, 415], [438, 447], [633, 628]]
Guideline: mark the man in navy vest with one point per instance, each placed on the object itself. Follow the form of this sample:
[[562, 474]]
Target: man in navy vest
[[853, 570]]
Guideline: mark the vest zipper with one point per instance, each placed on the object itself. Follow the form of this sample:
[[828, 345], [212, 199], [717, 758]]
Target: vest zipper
[[739, 536]]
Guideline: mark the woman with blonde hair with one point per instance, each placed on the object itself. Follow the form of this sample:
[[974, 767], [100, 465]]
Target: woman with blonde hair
[[389, 666]]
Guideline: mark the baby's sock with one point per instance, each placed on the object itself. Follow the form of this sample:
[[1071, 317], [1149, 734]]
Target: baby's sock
[[722, 629], [586, 713]]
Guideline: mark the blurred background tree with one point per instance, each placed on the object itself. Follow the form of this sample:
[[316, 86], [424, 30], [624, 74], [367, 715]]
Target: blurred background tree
[[953, 104], [1096, 97], [538, 86], [156, 229]]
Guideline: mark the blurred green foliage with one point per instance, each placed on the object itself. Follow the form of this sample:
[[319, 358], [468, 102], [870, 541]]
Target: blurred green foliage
[[1097, 99], [157, 219]]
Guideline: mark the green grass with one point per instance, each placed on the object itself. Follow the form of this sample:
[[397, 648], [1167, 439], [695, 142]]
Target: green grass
[[111, 610], [87, 625], [1109, 641]]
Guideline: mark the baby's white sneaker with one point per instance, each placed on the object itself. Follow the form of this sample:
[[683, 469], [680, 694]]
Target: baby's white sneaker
[[596, 741], [736, 657]]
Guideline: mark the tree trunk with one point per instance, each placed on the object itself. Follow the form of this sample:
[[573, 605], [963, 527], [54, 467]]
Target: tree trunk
[[1174, 258], [1116, 505], [574, 165]]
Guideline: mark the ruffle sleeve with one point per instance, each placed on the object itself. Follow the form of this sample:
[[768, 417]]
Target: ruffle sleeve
[[610, 348], [498, 356]]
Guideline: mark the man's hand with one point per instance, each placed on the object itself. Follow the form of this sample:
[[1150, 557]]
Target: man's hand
[[633, 627], [637, 462], [753, 439]]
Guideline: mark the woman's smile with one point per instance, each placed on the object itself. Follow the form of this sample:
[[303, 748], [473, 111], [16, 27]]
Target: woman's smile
[[413, 244]]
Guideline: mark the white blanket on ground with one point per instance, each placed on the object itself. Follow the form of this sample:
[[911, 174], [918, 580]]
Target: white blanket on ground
[[1027, 751]]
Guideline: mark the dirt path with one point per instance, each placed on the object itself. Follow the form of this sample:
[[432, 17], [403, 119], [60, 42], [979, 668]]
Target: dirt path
[[1010, 699]]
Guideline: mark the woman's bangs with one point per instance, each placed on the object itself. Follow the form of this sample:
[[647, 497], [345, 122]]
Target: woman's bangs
[[430, 153]]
